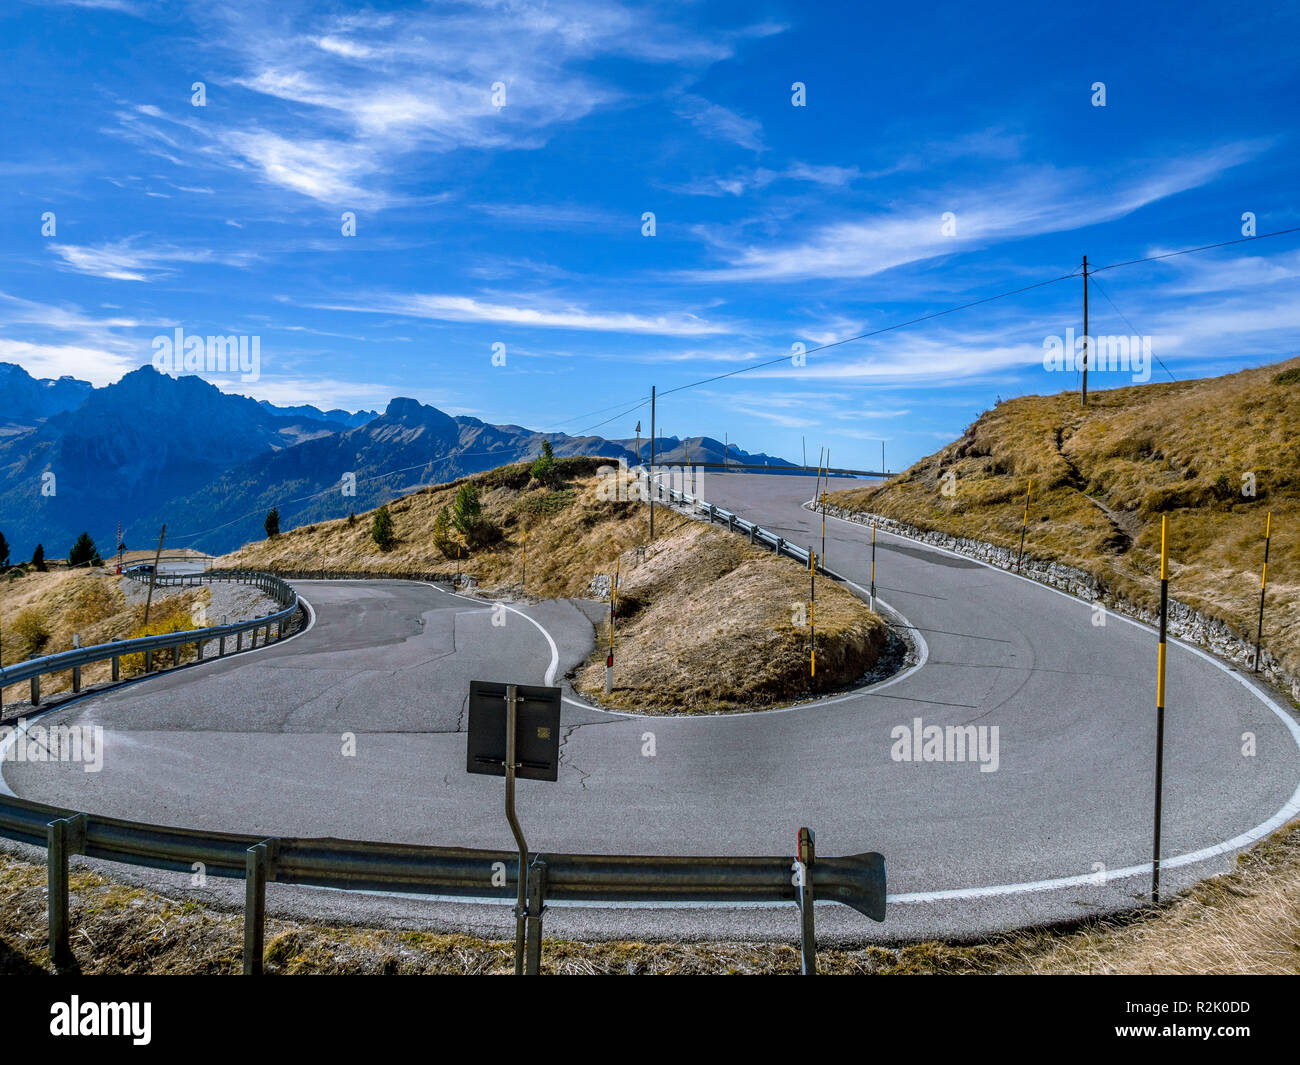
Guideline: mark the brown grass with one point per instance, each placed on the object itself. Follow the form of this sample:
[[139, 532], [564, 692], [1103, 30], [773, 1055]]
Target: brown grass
[[1103, 478], [706, 623], [89, 602], [1245, 922]]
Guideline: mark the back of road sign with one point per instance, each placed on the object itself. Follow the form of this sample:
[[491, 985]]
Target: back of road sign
[[537, 731]]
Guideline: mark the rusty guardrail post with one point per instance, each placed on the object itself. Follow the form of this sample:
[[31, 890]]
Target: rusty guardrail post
[[807, 932], [533, 933], [257, 865], [64, 837]]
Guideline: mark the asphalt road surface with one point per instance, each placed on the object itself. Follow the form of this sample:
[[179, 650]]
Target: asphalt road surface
[[1058, 826]]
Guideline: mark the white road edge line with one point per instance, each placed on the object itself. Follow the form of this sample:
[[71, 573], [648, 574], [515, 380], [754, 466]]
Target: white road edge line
[[555, 651], [1289, 809]]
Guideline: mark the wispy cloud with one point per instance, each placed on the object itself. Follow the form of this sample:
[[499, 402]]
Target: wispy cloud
[[449, 308], [132, 260], [720, 122], [1022, 204], [368, 88]]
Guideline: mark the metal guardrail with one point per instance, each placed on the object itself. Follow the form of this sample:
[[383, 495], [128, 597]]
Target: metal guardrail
[[755, 532], [857, 881], [74, 660]]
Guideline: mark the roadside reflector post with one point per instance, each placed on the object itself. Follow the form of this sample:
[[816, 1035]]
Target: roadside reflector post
[[804, 894], [1263, 580], [1024, 524], [257, 863], [873, 565], [812, 614], [533, 931], [613, 604], [64, 837], [1160, 707]]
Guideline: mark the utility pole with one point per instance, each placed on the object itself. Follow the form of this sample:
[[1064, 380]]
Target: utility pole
[[638, 441], [154, 574], [1087, 340], [653, 488], [882, 457]]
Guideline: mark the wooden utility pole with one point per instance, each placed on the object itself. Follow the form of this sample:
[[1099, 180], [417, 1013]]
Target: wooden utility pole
[[154, 574], [1087, 340]]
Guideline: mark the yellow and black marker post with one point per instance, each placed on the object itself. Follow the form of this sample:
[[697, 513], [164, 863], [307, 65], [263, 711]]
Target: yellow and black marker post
[[873, 565], [1263, 580], [824, 487], [812, 614], [613, 607], [1160, 708], [1024, 524]]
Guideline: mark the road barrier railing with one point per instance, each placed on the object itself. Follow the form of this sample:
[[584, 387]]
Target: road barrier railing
[[74, 660], [756, 533], [857, 881]]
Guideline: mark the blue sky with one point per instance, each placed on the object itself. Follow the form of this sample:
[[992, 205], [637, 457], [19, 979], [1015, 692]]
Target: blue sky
[[521, 225]]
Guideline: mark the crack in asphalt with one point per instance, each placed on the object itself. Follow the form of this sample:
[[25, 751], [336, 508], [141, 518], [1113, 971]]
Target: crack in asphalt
[[566, 760]]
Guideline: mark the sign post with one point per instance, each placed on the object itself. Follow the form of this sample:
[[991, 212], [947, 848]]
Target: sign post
[[514, 731]]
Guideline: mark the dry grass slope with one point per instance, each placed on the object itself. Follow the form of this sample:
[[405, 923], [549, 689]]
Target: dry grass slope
[[40, 613], [1104, 476]]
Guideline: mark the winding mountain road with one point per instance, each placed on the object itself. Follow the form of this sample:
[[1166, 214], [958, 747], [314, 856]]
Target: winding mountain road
[[1061, 829]]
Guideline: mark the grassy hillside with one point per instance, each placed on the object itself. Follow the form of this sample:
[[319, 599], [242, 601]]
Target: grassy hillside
[[706, 622], [1103, 478], [40, 613]]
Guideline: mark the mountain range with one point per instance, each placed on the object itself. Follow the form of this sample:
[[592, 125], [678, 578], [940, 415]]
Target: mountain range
[[153, 449]]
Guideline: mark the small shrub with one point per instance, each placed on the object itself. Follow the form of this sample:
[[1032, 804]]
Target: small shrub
[[32, 628]]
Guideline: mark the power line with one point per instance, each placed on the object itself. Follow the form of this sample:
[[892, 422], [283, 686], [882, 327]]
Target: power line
[[875, 332], [1132, 328], [1189, 251]]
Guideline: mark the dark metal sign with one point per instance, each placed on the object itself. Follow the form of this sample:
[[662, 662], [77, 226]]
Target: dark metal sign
[[537, 730]]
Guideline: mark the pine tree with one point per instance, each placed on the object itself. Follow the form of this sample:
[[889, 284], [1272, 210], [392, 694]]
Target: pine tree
[[38, 559], [4, 552], [544, 470], [272, 523], [84, 552], [382, 529], [442, 534]]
